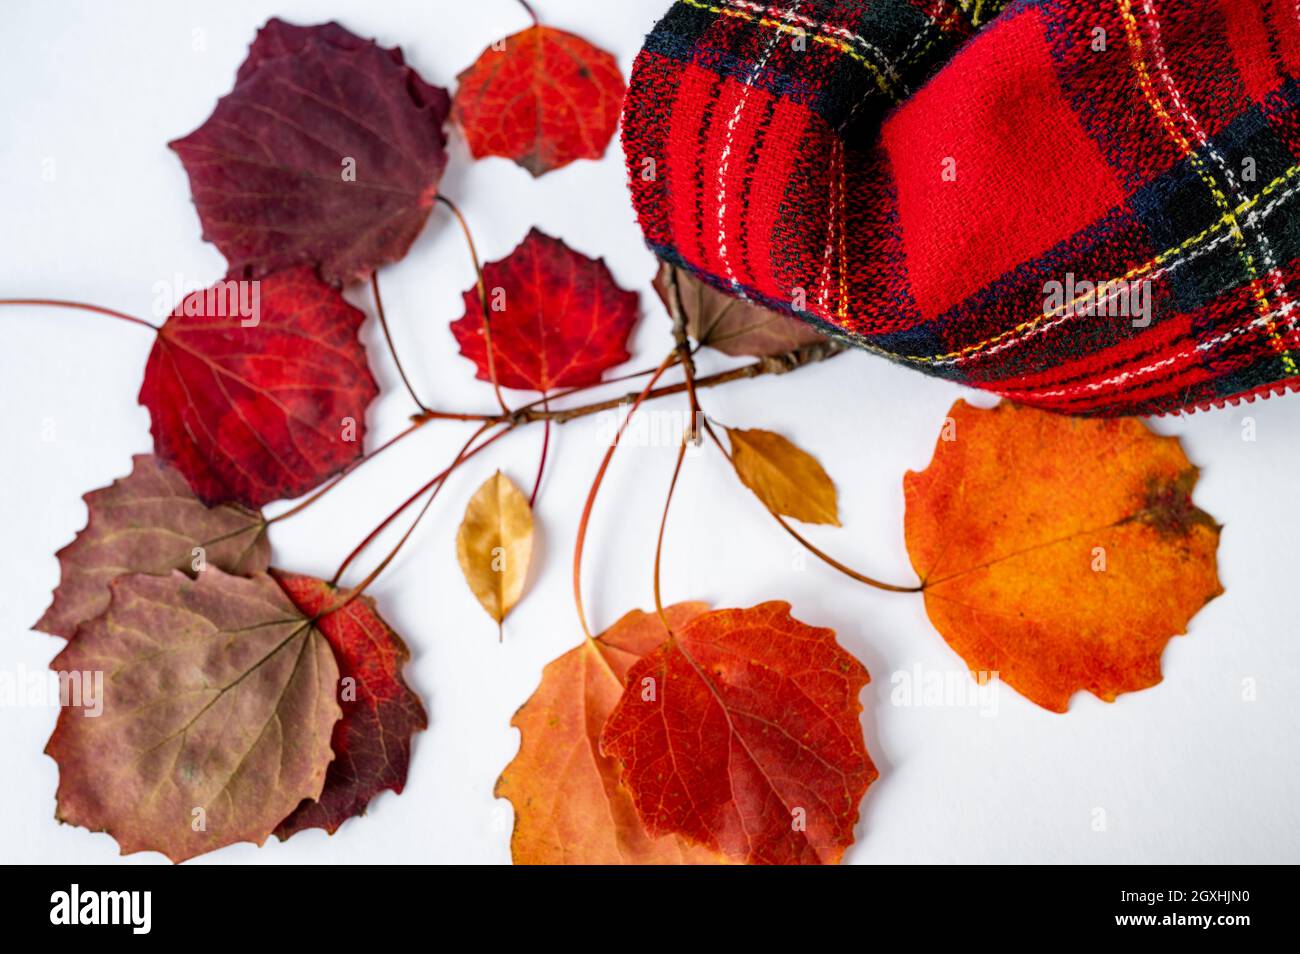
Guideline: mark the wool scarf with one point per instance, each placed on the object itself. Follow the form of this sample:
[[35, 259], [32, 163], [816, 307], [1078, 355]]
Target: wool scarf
[[1087, 206]]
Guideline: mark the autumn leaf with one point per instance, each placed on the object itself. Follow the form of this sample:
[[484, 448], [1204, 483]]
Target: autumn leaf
[[494, 544], [1060, 553], [570, 807], [327, 152], [542, 97], [372, 741], [254, 409], [149, 522], [741, 733], [558, 319], [787, 479], [217, 707], [732, 325]]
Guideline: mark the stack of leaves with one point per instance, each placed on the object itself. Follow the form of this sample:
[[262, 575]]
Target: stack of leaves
[[242, 700], [239, 701]]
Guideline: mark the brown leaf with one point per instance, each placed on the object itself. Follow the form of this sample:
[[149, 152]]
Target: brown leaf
[[149, 522], [218, 702], [1060, 553], [732, 325], [741, 733], [494, 544], [787, 479], [569, 805]]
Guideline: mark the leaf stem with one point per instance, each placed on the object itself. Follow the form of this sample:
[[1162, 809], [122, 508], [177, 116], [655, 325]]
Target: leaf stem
[[434, 482], [531, 12], [482, 297], [777, 365], [595, 489], [299, 507], [663, 523], [824, 557], [83, 306], [678, 314], [541, 461], [392, 349]]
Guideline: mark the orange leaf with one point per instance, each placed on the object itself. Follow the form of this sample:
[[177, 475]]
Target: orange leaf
[[569, 805], [1061, 553], [741, 733]]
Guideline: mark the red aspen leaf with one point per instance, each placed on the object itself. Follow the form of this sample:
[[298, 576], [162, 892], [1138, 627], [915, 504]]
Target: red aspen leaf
[[372, 742], [254, 410], [788, 480], [218, 702], [570, 807], [1059, 553], [732, 325], [542, 97], [327, 152], [149, 522], [558, 319], [741, 733]]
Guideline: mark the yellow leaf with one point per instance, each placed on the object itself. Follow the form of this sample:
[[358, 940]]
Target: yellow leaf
[[787, 479], [494, 544]]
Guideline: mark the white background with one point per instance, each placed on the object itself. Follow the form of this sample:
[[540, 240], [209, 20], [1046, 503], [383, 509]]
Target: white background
[[1186, 771]]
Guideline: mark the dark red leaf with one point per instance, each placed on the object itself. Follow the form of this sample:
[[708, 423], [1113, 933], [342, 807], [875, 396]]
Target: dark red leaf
[[269, 169], [372, 742], [256, 412], [543, 99], [558, 319]]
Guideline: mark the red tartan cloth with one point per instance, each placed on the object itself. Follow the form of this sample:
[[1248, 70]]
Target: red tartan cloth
[[920, 182]]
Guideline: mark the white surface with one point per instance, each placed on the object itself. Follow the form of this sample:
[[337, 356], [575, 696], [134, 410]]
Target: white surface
[[1186, 771]]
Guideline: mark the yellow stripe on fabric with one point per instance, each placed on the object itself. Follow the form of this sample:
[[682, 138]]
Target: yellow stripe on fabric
[[1228, 219], [1133, 32], [840, 45]]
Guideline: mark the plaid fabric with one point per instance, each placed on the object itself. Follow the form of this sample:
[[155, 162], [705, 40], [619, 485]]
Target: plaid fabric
[[1146, 147]]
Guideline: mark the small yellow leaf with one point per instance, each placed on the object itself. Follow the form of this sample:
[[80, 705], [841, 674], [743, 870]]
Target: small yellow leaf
[[494, 544], [787, 479]]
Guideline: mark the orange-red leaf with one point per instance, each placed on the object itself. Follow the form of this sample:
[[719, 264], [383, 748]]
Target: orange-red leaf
[[257, 407], [542, 97], [570, 807], [558, 319], [741, 733], [372, 742], [1061, 553]]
